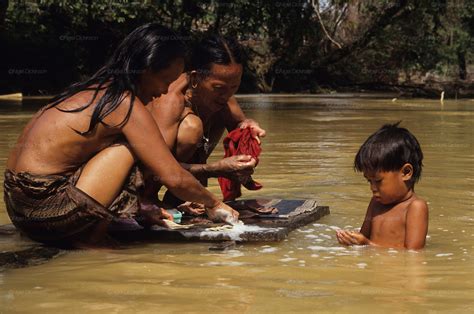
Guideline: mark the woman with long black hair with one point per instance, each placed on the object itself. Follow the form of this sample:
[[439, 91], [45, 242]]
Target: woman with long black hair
[[74, 166]]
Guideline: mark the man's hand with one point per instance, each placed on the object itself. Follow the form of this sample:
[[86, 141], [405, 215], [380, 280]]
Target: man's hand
[[347, 237], [240, 166], [257, 131], [192, 208]]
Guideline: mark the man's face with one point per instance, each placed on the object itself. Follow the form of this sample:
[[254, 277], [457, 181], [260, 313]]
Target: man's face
[[218, 85]]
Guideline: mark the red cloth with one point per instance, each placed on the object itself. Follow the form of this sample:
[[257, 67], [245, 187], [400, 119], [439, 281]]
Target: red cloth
[[239, 142]]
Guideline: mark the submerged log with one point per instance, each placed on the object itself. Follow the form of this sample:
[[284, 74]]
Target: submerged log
[[32, 256]]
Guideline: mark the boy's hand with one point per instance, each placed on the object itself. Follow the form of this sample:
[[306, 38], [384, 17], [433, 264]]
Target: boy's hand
[[347, 237]]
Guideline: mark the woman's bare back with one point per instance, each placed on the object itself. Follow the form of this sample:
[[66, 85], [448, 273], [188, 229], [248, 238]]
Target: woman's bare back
[[49, 143]]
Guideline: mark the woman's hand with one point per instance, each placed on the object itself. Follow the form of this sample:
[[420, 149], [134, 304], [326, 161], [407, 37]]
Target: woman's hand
[[240, 166], [224, 213], [153, 214], [347, 237], [257, 131]]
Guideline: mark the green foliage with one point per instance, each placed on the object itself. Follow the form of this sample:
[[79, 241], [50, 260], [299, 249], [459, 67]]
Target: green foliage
[[291, 45]]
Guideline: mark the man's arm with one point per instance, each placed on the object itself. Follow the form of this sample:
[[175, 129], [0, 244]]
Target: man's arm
[[230, 167], [234, 117], [167, 110], [416, 225], [189, 137]]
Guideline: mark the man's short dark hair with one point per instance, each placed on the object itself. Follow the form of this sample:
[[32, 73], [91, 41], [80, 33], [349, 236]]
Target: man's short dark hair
[[389, 149]]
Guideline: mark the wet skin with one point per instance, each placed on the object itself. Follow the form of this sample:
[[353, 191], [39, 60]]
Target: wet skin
[[49, 145], [396, 216], [214, 109]]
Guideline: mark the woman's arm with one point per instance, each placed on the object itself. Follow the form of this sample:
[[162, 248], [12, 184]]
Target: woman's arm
[[146, 141]]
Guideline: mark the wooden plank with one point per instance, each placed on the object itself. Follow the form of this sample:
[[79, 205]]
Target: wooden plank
[[18, 251], [292, 214]]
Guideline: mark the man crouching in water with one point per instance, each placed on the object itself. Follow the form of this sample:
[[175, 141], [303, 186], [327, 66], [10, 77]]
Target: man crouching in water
[[197, 109]]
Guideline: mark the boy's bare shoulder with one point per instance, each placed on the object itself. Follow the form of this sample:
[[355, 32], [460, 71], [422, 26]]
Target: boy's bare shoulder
[[418, 202], [417, 207]]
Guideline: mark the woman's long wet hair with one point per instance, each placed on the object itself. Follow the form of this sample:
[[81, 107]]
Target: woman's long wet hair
[[149, 47], [217, 49]]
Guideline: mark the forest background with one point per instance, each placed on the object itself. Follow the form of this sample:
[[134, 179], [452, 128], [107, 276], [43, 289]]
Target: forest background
[[415, 47]]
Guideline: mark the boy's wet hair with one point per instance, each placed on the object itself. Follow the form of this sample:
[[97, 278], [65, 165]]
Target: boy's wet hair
[[389, 149]]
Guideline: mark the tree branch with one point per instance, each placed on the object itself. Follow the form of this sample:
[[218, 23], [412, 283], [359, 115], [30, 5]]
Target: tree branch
[[378, 25], [315, 4], [339, 19]]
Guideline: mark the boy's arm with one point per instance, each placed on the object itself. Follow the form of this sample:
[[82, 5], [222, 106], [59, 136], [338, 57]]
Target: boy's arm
[[348, 237], [416, 225], [367, 224]]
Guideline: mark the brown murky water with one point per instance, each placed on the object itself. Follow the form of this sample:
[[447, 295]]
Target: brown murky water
[[308, 153]]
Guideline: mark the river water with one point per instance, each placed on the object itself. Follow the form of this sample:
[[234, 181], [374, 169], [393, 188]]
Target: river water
[[308, 153]]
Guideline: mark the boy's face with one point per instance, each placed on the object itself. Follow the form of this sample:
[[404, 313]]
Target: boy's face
[[390, 186]]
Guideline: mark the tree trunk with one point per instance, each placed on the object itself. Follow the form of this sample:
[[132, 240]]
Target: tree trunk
[[384, 19], [462, 64], [3, 13]]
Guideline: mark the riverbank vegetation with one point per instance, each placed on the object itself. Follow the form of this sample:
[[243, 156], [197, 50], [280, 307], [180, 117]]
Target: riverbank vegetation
[[417, 47]]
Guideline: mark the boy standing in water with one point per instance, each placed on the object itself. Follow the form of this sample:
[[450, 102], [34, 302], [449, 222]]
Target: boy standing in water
[[391, 160]]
